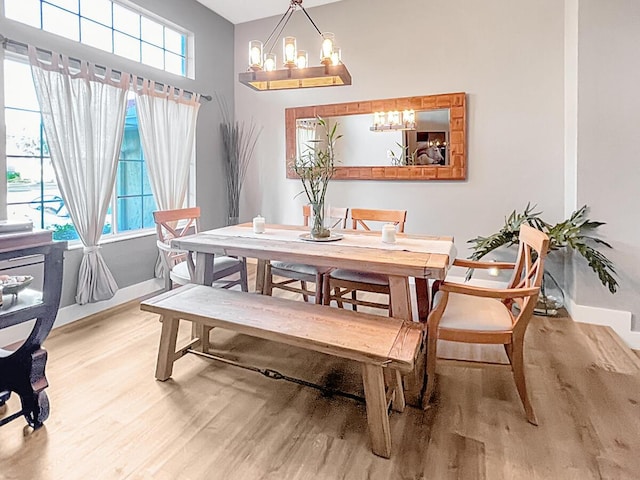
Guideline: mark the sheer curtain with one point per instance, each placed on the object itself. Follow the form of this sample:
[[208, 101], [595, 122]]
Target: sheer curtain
[[167, 121], [83, 117]]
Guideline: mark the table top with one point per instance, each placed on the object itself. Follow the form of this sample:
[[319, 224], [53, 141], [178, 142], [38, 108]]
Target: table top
[[278, 243]]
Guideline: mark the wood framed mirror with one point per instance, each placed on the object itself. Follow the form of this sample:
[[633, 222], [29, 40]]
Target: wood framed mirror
[[434, 150]]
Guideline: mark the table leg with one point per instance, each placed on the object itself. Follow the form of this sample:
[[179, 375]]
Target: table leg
[[260, 273], [422, 296], [401, 302]]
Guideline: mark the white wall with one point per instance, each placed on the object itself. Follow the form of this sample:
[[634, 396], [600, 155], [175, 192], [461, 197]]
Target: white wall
[[507, 56], [608, 160]]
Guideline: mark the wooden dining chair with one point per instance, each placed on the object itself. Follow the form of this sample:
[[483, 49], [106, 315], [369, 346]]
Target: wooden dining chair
[[178, 223], [296, 272], [340, 282], [472, 314]]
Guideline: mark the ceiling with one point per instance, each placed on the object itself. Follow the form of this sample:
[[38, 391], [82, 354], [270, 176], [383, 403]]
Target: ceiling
[[240, 11]]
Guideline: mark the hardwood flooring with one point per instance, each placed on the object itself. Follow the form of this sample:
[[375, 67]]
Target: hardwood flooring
[[110, 419]]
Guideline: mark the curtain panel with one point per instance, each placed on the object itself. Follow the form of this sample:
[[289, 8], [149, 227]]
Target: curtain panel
[[83, 115], [167, 121]]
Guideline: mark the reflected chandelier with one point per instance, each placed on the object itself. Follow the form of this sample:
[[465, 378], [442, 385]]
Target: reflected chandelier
[[263, 73]]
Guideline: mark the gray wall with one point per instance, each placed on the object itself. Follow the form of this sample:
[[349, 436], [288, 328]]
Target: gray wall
[[608, 160], [507, 56], [132, 261]]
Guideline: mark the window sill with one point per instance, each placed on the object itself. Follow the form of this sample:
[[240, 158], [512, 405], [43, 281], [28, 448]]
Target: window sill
[[77, 244]]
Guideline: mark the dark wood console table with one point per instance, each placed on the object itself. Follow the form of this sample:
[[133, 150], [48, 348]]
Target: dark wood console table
[[22, 371]]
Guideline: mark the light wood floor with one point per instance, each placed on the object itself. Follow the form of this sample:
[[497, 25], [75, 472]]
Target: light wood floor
[[111, 420]]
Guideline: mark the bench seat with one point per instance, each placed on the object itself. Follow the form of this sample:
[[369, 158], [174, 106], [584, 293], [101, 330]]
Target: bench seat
[[378, 343]]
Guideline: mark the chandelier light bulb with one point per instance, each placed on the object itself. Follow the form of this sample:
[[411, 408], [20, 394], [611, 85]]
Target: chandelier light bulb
[[326, 52], [255, 55], [336, 55], [289, 51], [302, 59], [270, 62]]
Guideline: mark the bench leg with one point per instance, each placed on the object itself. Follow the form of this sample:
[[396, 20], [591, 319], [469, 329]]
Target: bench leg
[[377, 418], [167, 349]]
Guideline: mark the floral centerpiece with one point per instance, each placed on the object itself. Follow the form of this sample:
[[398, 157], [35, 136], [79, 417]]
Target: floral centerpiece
[[315, 167]]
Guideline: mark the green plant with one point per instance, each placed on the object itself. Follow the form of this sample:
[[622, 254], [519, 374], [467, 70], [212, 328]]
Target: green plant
[[574, 233], [315, 167]]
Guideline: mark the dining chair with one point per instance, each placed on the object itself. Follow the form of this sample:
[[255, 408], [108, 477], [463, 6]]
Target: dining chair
[[473, 314], [178, 269], [340, 282], [297, 272]]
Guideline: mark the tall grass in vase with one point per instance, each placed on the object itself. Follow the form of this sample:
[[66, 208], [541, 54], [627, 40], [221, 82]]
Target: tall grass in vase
[[238, 145], [315, 167]]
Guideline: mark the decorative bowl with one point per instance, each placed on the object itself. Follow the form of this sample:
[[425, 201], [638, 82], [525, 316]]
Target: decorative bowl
[[11, 285]]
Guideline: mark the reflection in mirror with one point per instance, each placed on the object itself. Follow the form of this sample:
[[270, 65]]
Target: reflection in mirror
[[427, 144], [386, 150]]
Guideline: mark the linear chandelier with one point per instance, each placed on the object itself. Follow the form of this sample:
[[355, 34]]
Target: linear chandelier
[[263, 73]]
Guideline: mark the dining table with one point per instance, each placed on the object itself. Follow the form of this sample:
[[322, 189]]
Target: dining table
[[421, 257]]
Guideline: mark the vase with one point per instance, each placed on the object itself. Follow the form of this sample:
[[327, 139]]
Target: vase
[[318, 228]]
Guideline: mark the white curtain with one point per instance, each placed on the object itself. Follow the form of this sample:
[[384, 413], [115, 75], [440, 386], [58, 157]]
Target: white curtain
[[83, 117], [167, 122]]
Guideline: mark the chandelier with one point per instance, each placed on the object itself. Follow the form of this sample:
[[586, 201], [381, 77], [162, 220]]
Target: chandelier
[[263, 73]]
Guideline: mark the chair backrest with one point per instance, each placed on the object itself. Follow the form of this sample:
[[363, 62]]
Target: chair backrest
[[360, 216], [172, 224], [529, 270], [337, 216]]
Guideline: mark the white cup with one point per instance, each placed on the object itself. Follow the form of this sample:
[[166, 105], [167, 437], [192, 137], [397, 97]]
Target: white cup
[[389, 233], [258, 224]]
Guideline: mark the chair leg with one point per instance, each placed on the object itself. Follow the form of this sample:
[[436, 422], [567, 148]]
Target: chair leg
[[319, 287], [354, 297], [303, 284], [432, 355], [517, 365], [338, 295], [244, 284], [268, 280]]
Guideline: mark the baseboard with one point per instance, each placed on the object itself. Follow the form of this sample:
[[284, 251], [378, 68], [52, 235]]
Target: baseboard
[[76, 312], [618, 320]]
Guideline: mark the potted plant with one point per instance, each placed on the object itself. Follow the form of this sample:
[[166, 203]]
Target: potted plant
[[574, 233], [315, 167], [238, 144]]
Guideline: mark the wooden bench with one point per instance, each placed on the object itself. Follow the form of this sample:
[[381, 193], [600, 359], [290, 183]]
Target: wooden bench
[[378, 343]]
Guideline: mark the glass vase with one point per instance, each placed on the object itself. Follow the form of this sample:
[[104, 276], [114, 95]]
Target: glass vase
[[318, 228]]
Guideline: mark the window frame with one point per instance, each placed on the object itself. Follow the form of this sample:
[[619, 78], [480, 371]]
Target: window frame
[[187, 38]]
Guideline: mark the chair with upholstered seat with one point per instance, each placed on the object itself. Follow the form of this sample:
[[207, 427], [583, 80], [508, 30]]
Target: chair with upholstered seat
[[340, 282], [472, 314], [177, 266], [296, 272]]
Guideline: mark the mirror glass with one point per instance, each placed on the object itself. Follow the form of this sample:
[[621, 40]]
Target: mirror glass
[[426, 144], [434, 150]]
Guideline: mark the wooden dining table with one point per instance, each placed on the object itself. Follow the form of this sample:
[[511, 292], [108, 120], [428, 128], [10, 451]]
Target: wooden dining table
[[420, 257]]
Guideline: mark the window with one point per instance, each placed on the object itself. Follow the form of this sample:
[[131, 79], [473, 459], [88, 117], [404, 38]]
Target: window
[[108, 26], [32, 190]]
